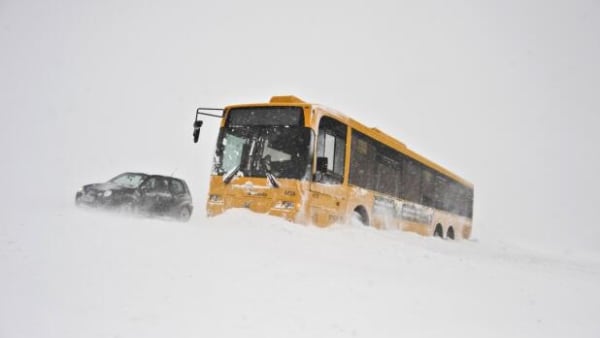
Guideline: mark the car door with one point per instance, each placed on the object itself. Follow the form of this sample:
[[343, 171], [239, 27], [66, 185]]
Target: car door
[[164, 199], [147, 198], [154, 195]]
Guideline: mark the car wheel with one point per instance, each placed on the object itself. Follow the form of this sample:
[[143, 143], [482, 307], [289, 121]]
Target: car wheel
[[184, 214]]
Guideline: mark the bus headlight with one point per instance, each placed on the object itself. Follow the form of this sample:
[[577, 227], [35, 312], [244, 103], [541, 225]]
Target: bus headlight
[[284, 205], [215, 199]]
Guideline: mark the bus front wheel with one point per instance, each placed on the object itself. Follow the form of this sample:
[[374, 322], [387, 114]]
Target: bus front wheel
[[439, 231], [361, 215]]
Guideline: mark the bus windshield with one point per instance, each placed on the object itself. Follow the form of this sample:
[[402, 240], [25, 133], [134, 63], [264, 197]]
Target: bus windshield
[[280, 151]]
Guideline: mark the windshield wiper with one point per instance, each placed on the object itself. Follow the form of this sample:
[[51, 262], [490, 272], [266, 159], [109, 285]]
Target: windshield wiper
[[230, 175], [266, 163], [272, 180]]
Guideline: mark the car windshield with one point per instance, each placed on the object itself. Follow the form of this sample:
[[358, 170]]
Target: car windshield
[[129, 180], [259, 151]]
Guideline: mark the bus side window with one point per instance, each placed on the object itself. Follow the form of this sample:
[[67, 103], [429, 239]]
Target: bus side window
[[411, 181], [331, 148], [427, 186]]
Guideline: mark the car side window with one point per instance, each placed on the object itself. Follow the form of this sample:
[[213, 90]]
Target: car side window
[[161, 186], [156, 185], [148, 185], [177, 187]]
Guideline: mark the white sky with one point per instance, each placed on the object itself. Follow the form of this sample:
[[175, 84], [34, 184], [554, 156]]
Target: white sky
[[505, 93]]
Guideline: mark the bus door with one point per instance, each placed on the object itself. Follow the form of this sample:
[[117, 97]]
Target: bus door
[[328, 196]]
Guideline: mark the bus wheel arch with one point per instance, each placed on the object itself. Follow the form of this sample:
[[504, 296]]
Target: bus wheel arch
[[450, 233], [439, 231], [360, 212]]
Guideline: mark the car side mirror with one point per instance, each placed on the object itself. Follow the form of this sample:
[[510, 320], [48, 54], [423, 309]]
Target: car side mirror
[[322, 164], [197, 126]]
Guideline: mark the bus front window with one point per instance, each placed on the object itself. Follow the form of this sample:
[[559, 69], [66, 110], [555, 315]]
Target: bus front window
[[232, 151], [256, 151]]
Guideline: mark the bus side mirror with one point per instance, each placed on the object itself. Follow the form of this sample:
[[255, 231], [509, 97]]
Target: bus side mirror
[[322, 163], [197, 126]]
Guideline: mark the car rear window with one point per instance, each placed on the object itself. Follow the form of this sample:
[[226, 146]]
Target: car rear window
[[177, 187]]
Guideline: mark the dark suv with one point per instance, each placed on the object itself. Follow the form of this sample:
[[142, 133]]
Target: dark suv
[[151, 195]]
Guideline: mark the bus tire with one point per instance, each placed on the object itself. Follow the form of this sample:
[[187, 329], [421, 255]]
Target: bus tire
[[439, 231], [361, 214], [450, 233]]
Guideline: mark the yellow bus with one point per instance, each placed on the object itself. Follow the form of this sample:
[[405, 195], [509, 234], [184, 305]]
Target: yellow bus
[[313, 165]]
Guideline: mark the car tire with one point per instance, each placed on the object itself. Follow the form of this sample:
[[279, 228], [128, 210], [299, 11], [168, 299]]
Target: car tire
[[184, 214]]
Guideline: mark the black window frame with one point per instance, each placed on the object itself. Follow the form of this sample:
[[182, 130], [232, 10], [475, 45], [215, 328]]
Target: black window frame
[[329, 126], [268, 121], [414, 181]]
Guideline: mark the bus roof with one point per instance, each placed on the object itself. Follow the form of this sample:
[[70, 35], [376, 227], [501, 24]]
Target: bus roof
[[373, 132]]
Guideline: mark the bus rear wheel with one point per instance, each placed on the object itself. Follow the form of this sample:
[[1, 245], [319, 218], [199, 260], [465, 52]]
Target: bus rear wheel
[[361, 215], [450, 233]]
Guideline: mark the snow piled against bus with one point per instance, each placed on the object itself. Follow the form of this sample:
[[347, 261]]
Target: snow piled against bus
[[76, 273]]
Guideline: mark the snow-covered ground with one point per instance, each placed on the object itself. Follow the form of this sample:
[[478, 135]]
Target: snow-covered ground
[[80, 273]]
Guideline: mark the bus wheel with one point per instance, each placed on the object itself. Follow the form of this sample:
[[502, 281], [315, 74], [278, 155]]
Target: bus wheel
[[361, 215], [450, 233], [439, 231]]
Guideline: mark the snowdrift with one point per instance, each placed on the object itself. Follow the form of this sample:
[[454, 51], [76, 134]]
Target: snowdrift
[[77, 273]]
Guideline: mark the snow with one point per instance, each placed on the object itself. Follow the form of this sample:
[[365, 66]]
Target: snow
[[80, 273], [501, 93]]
